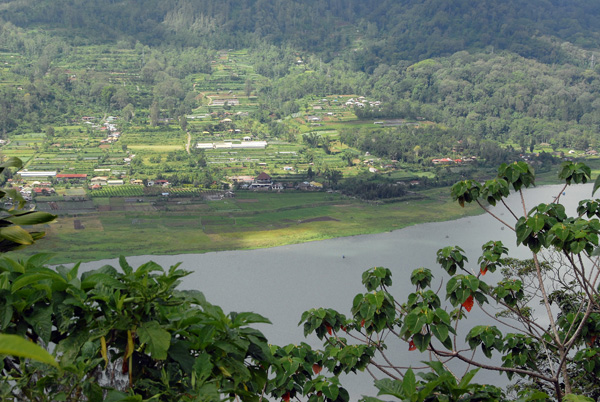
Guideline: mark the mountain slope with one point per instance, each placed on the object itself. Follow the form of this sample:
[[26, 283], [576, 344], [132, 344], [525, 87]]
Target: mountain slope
[[387, 30]]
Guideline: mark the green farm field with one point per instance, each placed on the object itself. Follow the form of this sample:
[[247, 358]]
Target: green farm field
[[249, 221]]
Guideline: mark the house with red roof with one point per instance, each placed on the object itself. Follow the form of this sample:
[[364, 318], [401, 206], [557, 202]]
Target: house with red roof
[[263, 181]]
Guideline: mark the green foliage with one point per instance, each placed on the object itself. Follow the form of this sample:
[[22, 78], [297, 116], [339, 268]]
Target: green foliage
[[12, 235], [132, 326], [556, 361]]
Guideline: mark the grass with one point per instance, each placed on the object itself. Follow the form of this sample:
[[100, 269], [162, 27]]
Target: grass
[[252, 220]]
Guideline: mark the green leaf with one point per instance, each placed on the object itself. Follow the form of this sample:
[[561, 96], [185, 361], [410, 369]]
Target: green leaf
[[16, 234], [127, 269], [97, 278], [41, 321], [388, 386], [596, 185], [37, 260], [409, 384], [14, 345], [117, 396], [6, 314], [36, 276], [440, 331], [443, 315], [422, 341], [202, 367], [240, 319], [31, 218], [12, 162], [464, 382], [536, 223], [156, 338]]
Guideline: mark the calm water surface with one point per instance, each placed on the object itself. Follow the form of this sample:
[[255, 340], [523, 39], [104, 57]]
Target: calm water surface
[[282, 282]]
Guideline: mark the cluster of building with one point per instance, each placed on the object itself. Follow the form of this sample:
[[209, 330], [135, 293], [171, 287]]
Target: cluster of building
[[361, 101], [449, 161], [265, 182], [109, 125], [28, 190], [95, 182]]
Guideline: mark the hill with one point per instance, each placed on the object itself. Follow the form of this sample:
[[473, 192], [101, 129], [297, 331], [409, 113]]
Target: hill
[[388, 30]]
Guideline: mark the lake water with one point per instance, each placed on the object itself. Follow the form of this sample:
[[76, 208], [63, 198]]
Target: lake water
[[282, 282]]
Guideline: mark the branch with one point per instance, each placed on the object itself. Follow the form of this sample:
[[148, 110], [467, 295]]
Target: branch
[[526, 321], [557, 198], [523, 202], [495, 368], [495, 217], [545, 296], [509, 210]]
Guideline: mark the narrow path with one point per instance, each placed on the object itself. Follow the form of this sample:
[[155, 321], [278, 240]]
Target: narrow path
[[189, 141], [207, 97]]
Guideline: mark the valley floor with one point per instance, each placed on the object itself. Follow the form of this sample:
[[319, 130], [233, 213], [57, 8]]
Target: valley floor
[[248, 221]]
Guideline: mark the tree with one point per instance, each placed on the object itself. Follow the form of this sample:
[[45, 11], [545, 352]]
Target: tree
[[555, 356], [154, 114], [312, 139], [183, 123], [333, 176], [348, 155], [107, 94], [248, 87], [128, 112], [49, 132], [417, 150]]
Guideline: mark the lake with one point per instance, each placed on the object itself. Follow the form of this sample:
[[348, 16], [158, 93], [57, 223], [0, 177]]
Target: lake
[[282, 282]]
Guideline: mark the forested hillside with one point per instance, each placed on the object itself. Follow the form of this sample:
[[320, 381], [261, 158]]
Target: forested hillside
[[390, 30], [503, 72]]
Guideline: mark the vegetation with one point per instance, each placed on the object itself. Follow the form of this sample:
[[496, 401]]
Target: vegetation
[[12, 234], [131, 328], [545, 309], [128, 334], [360, 112]]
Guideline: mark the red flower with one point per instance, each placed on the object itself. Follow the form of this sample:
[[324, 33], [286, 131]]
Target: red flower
[[362, 323], [286, 397], [412, 346], [316, 368], [328, 329], [483, 271], [468, 304]]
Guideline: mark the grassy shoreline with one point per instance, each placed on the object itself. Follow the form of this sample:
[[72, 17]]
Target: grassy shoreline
[[249, 221]]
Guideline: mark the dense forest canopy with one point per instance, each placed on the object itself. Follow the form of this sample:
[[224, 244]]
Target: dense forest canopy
[[391, 30]]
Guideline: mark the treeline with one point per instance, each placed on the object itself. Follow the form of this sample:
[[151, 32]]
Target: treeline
[[412, 144], [372, 188]]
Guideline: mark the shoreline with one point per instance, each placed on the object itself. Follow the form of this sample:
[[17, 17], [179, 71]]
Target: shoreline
[[261, 220], [110, 235]]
